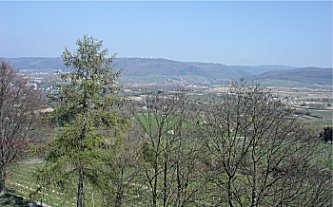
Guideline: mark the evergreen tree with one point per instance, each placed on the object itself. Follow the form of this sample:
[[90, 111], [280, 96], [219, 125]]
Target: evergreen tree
[[85, 99]]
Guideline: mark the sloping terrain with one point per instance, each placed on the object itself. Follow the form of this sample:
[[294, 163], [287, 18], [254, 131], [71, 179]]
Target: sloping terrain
[[36, 64], [164, 67], [142, 67], [305, 75]]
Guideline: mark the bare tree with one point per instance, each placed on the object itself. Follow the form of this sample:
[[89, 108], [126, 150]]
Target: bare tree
[[171, 149], [156, 125], [121, 170], [261, 155], [18, 106], [189, 151]]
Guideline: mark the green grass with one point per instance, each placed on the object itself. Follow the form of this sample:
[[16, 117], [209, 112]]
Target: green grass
[[315, 116], [21, 180], [286, 83], [324, 114], [325, 123], [325, 155], [155, 121]]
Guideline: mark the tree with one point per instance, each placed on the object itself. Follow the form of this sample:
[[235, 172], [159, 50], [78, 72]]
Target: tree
[[18, 107], [85, 99], [121, 172], [171, 149], [326, 135], [261, 155], [155, 124]]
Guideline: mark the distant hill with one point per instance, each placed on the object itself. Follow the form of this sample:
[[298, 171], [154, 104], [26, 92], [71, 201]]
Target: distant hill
[[311, 75], [170, 68], [36, 63], [255, 70], [141, 67], [164, 67]]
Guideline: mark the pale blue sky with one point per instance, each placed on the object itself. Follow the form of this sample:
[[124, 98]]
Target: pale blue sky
[[234, 33]]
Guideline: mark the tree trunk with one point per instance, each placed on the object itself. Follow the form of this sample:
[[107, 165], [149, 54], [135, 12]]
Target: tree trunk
[[177, 202], [155, 186], [80, 190], [165, 184], [230, 192], [119, 197], [254, 181], [2, 181]]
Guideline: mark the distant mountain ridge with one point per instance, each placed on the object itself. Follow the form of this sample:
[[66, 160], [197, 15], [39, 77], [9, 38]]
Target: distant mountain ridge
[[312, 75], [36, 63], [170, 68], [164, 67]]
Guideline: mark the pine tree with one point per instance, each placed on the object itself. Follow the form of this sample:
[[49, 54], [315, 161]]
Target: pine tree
[[85, 98]]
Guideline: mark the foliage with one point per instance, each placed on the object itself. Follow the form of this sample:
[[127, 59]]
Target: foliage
[[85, 103]]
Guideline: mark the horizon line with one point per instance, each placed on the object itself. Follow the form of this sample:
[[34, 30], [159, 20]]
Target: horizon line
[[191, 61]]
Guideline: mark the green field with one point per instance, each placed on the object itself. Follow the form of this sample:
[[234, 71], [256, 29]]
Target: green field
[[315, 116], [290, 84], [21, 180]]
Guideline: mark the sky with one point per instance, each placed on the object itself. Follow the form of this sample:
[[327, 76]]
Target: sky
[[232, 33]]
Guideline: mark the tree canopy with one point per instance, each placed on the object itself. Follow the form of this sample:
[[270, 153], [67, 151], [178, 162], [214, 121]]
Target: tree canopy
[[84, 104]]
